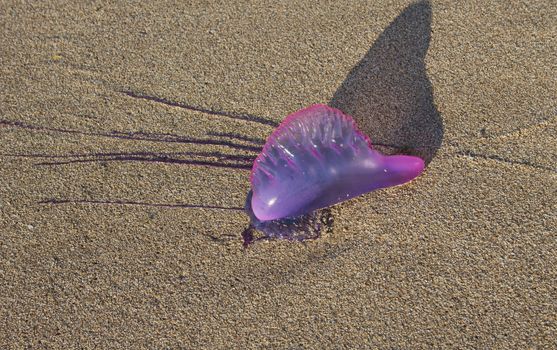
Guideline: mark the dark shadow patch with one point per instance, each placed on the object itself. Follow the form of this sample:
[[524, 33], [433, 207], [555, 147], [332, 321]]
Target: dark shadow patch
[[388, 91]]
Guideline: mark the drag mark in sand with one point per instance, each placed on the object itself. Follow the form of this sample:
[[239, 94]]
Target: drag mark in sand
[[53, 201], [232, 115], [133, 135], [494, 157], [203, 158], [539, 126], [254, 140], [214, 159], [174, 138], [220, 240]]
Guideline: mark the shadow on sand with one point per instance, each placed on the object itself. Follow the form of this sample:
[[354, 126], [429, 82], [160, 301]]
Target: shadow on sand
[[388, 92]]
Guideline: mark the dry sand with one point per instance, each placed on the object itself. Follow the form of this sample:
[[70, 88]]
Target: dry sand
[[97, 99]]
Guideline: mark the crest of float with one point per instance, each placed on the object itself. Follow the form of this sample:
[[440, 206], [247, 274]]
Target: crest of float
[[317, 157]]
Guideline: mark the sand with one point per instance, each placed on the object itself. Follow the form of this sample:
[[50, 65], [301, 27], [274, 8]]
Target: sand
[[126, 135]]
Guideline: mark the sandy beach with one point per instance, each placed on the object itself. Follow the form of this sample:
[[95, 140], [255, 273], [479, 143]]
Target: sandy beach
[[127, 135]]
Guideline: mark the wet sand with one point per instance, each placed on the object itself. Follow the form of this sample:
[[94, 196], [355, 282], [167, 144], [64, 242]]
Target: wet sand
[[126, 138]]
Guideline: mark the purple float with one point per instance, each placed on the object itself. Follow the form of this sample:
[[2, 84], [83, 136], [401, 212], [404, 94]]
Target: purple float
[[317, 157]]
